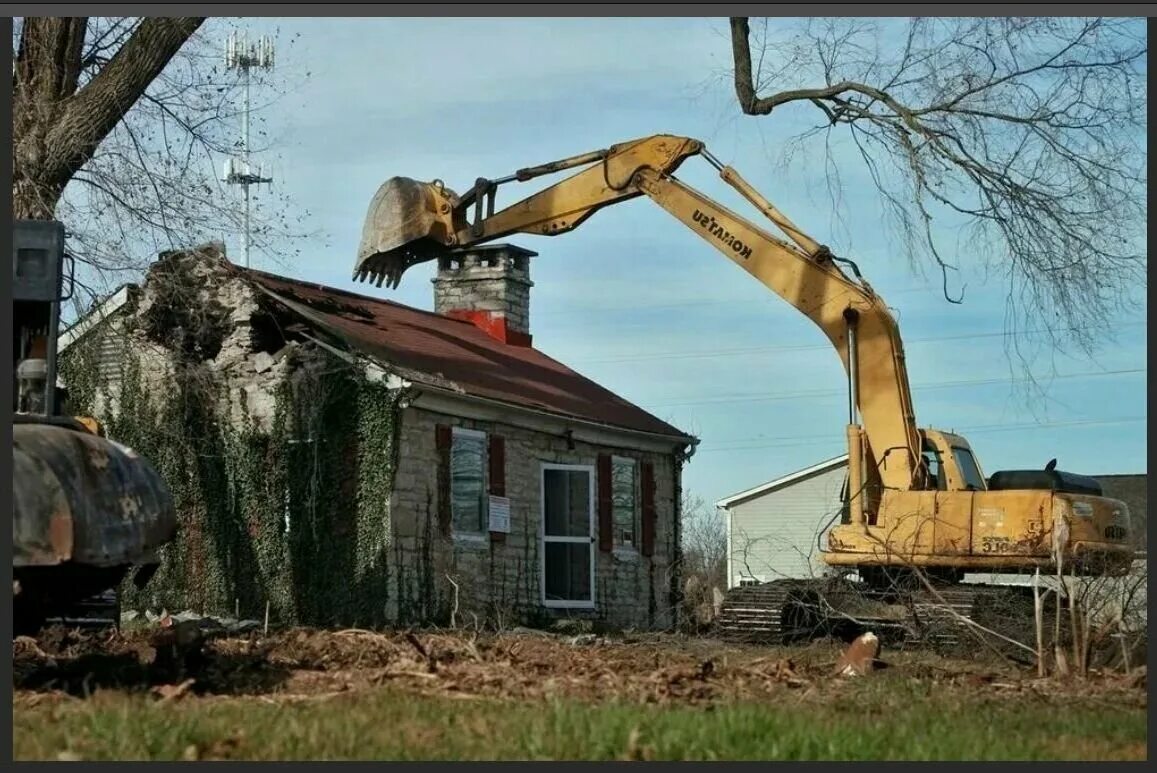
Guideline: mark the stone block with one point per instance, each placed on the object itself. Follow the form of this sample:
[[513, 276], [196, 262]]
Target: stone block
[[262, 362]]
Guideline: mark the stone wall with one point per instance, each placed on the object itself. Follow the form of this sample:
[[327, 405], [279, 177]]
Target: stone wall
[[189, 292], [500, 581]]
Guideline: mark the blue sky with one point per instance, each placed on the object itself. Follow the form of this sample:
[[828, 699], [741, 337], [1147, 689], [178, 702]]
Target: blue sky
[[634, 300]]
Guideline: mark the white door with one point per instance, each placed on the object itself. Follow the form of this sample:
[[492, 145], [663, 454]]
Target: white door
[[568, 536]]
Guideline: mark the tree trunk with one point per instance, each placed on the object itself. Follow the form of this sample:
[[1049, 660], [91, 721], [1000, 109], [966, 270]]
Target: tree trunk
[[33, 199], [56, 128]]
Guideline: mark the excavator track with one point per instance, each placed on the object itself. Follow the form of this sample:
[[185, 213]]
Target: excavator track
[[942, 618], [769, 613], [956, 620], [961, 618]]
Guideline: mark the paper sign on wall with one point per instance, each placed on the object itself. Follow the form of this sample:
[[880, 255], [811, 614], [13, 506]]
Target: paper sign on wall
[[500, 514]]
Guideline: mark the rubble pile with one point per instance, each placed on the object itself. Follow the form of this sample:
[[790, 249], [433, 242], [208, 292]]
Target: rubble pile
[[191, 306]]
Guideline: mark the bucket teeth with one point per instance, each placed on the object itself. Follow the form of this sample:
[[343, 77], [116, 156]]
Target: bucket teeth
[[387, 267]]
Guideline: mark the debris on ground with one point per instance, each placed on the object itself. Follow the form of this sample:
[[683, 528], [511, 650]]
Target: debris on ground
[[211, 625], [860, 658], [583, 640], [187, 661]]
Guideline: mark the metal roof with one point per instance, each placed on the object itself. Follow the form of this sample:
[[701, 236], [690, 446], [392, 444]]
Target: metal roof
[[449, 352]]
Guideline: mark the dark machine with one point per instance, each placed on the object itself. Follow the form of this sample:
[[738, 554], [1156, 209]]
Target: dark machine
[[86, 510]]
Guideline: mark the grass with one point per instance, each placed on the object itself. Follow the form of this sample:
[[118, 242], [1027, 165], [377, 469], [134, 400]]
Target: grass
[[878, 720]]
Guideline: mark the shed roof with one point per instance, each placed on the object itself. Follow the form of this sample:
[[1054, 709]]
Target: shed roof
[[786, 480]]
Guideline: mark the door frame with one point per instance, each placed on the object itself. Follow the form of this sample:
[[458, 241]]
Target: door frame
[[589, 469]]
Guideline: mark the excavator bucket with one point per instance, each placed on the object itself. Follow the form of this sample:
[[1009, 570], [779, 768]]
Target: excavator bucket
[[408, 223]]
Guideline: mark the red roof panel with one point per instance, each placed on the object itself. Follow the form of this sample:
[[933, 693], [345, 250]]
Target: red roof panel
[[457, 351]]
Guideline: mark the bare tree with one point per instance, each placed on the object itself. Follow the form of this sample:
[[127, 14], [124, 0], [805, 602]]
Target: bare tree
[[1024, 135], [120, 127], [704, 540], [704, 561]]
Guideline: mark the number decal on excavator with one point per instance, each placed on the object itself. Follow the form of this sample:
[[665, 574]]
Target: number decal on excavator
[[996, 544], [716, 230]]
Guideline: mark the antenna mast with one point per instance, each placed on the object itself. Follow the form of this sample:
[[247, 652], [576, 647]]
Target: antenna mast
[[240, 54]]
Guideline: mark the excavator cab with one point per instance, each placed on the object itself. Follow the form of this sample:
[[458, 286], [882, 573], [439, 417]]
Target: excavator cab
[[955, 464]]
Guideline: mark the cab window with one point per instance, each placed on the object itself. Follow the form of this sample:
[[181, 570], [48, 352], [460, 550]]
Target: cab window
[[969, 470], [935, 468]]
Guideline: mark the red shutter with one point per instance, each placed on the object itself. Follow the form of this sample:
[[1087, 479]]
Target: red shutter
[[443, 440], [497, 456], [647, 486], [496, 453], [606, 513]]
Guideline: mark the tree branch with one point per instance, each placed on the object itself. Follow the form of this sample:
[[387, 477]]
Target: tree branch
[[90, 114], [1026, 132]]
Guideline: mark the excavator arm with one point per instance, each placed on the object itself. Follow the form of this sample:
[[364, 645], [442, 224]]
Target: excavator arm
[[411, 222]]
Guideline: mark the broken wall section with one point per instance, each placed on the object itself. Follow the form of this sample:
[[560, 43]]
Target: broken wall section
[[279, 453]]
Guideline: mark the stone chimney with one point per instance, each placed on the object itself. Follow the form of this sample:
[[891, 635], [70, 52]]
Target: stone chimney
[[488, 286]]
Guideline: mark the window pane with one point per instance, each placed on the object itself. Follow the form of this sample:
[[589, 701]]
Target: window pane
[[579, 520], [568, 571], [623, 488], [567, 499], [934, 464], [467, 482], [968, 468]]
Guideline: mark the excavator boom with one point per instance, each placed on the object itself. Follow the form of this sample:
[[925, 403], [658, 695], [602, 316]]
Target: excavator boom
[[411, 222]]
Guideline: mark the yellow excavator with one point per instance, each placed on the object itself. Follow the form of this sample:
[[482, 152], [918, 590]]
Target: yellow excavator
[[86, 510], [918, 511]]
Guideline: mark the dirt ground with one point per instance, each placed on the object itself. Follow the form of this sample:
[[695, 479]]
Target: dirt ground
[[299, 665]]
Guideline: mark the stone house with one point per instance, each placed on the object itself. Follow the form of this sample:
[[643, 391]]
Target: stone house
[[347, 460]]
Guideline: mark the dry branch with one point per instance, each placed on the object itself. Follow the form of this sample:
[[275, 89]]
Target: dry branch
[[1024, 135]]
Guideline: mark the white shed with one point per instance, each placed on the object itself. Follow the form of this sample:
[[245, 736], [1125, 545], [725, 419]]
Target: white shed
[[773, 530]]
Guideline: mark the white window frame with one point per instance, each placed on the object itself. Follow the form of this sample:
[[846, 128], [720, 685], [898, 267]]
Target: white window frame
[[543, 539], [470, 536]]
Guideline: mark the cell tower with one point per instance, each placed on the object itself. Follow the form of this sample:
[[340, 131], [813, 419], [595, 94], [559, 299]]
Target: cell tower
[[243, 55]]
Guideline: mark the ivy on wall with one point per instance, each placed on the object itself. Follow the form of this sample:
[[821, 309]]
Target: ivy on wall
[[294, 515]]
